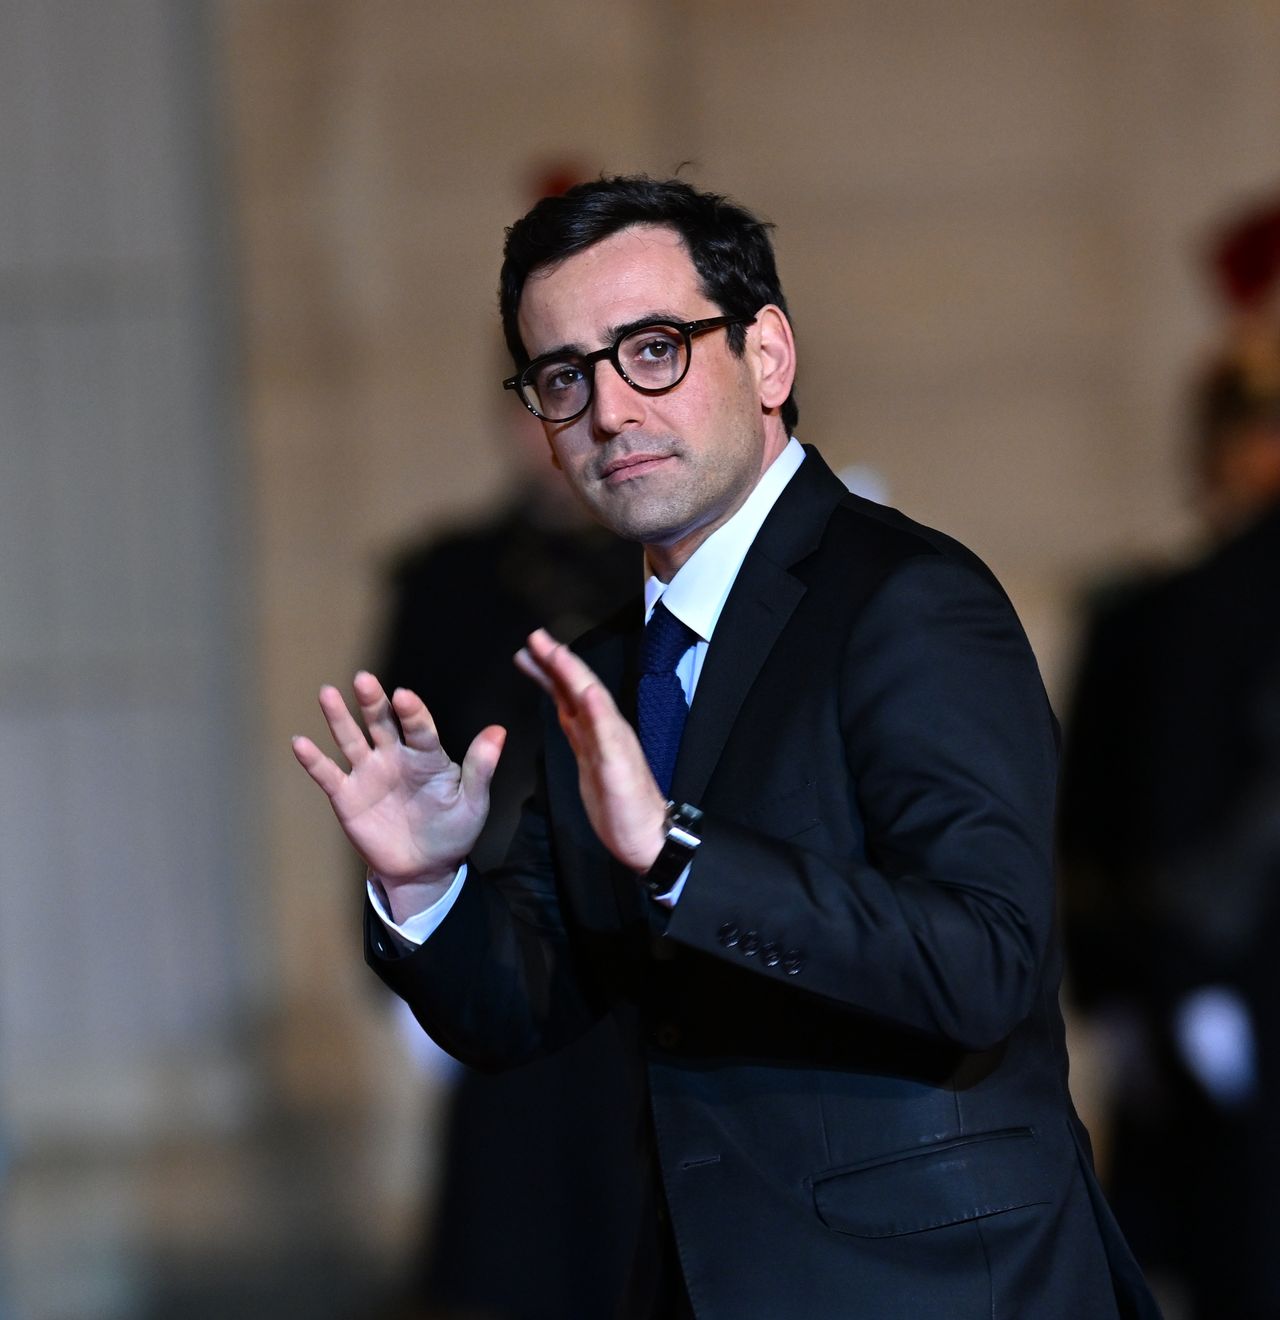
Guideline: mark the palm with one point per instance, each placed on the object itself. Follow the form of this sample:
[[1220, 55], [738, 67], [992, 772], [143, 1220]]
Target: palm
[[411, 812], [400, 808], [621, 798]]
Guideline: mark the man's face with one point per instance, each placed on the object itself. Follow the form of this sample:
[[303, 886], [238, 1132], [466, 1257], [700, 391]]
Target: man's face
[[664, 469]]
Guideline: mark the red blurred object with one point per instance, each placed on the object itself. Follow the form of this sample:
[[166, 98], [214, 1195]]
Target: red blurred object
[[553, 178], [1245, 257]]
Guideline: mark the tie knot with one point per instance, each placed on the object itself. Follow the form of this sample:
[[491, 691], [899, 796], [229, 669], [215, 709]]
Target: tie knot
[[666, 639]]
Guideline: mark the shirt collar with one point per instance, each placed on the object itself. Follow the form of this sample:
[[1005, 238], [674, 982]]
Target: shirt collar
[[698, 591]]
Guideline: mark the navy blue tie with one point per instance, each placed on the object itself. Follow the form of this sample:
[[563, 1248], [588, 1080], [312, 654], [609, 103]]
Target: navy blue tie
[[660, 704]]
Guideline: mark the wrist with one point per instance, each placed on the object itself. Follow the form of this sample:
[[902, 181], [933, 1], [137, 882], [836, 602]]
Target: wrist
[[681, 838], [413, 895], [650, 853], [639, 847]]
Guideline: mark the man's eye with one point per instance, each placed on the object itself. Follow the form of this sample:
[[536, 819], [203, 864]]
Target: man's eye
[[655, 348], [560, 376]]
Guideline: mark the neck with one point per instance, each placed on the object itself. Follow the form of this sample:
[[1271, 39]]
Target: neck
[[666, 558], [665, 561]]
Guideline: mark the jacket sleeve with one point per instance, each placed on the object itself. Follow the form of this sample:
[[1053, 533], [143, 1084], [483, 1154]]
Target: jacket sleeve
[[497, 983], [940, 922]]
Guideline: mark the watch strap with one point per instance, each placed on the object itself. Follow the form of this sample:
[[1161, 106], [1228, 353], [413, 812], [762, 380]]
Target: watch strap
[[678, 847]]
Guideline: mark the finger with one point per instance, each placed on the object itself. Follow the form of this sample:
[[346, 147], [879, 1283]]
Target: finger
[[342, 724], [588, 714], [481, 761], [567, 671], [376, 710], [605, 737], [324, 771], [527, 665], [565, 701], [600, 714], [570, 681], [415, 721]]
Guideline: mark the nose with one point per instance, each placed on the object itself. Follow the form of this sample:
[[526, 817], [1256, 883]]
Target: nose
[[614, 404]]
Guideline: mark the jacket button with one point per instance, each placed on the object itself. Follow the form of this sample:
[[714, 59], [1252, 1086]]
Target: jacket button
[[750, 944], [770, 956], [667, 1036], [792, 961], [728, 934]]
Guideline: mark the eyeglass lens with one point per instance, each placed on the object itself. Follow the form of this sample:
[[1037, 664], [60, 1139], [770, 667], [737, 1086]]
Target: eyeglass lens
[[654, 358]]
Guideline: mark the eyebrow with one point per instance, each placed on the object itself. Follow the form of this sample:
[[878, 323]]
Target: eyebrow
[[615, 332]]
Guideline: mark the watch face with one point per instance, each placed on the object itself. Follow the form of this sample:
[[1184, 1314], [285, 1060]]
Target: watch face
[[682, 836], [681, 826]]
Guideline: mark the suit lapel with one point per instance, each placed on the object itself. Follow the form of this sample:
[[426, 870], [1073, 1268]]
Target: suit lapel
[[754, 616], [764, 596]]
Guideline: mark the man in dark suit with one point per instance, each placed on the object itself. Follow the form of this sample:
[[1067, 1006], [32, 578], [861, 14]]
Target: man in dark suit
[[824, 928]]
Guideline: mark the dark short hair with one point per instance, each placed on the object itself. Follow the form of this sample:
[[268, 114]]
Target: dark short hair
[[729, 247]]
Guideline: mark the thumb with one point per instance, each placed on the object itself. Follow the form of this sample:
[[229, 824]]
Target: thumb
[[480, 762]]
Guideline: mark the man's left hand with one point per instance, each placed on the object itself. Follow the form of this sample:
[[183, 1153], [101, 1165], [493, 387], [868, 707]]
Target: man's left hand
[[622, 799]]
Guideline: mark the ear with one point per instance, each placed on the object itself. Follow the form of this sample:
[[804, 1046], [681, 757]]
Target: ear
[[775, 356]]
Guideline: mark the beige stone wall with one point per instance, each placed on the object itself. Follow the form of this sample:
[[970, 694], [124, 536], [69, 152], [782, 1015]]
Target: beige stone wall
[[987, 218], [128, 871]]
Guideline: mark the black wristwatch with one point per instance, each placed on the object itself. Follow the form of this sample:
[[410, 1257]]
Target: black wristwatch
[[678, 846]]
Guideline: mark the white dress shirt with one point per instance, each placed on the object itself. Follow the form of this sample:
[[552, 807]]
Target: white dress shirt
[[695, 595]]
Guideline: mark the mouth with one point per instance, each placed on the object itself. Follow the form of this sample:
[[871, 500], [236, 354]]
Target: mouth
[[626, 466]]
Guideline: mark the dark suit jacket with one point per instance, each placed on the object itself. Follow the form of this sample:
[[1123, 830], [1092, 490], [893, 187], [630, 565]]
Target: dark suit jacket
[[849, 1023]]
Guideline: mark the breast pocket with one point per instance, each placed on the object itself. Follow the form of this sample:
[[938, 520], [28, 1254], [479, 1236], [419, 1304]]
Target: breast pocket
[[932, 1186], [784, 812]]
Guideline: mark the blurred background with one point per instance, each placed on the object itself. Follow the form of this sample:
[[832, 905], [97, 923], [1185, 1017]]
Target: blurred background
[[249, 351]]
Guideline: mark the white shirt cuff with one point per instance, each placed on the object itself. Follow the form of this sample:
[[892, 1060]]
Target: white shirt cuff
[[418, 928], [672, 896]]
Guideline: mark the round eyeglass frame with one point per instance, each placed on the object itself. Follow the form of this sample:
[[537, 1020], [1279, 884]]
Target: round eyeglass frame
[[521, 381]]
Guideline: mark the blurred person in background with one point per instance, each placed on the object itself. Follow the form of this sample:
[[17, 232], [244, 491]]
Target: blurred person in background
[[532, 1218], [820, 913], [1170, 838]]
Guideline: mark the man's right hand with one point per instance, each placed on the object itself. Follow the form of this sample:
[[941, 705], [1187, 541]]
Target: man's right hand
[[409, 811]]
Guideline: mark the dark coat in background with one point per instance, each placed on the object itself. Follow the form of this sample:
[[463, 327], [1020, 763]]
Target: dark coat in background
[[1171, 842], [534, 1216]]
